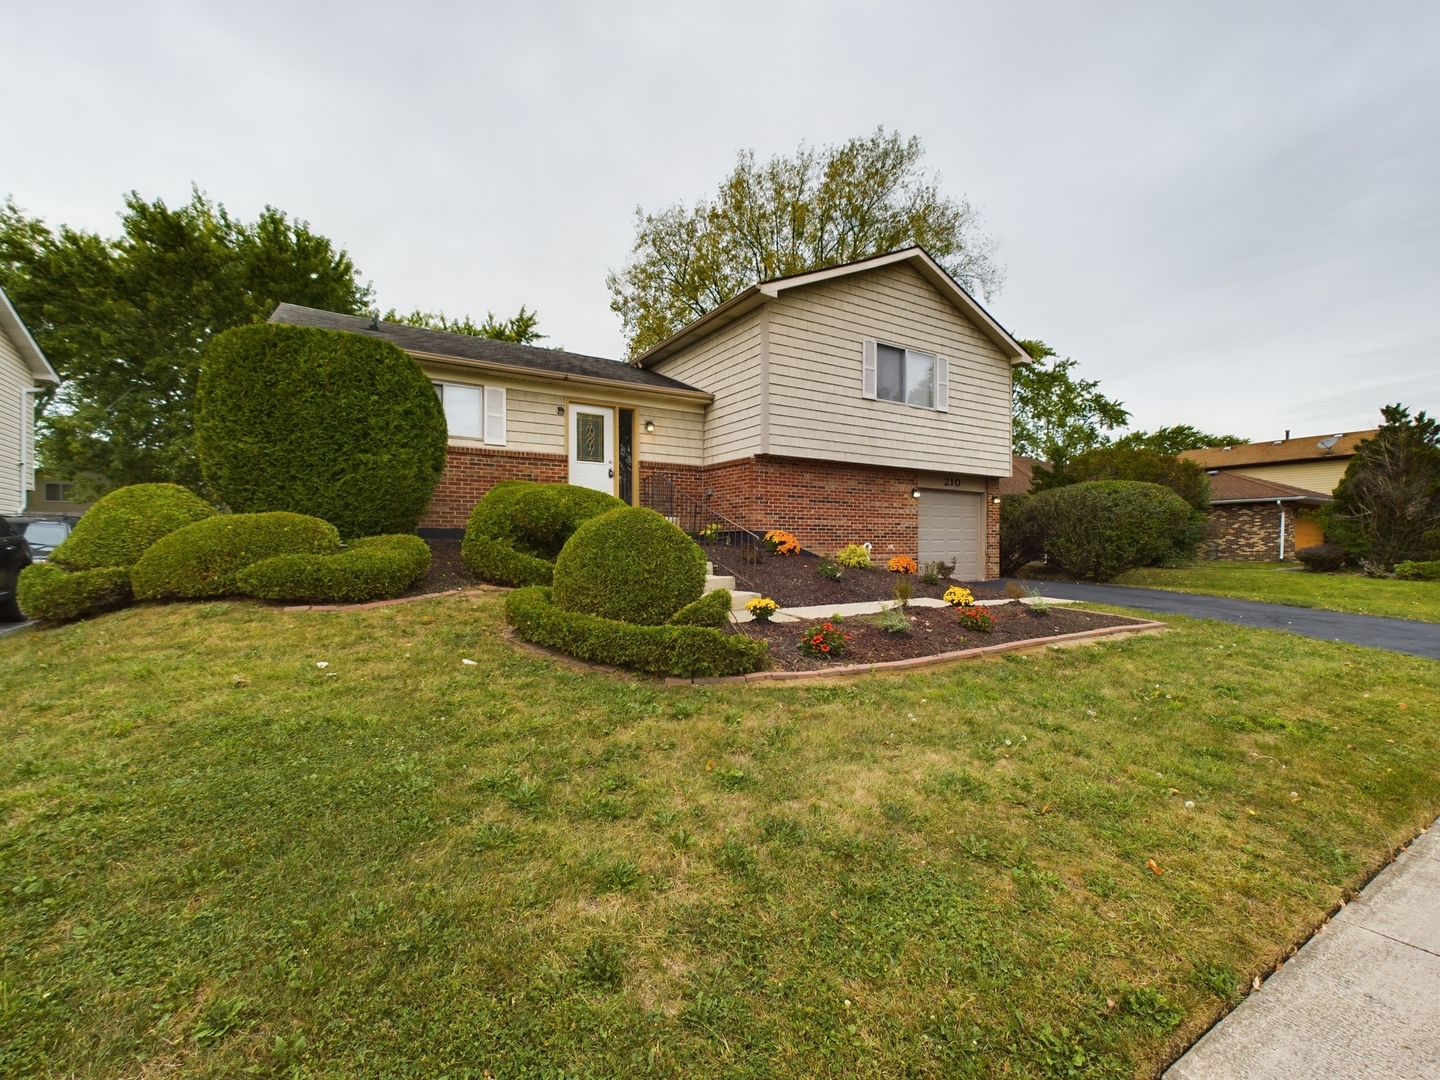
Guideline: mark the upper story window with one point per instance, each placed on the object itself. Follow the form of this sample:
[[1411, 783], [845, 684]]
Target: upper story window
[[473, 412], [906, 376]]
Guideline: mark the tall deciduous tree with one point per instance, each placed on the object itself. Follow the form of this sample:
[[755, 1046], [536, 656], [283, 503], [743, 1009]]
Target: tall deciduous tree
[[520, 328], [1175, 440], [1055, 415], [126, 319], [818, 208]]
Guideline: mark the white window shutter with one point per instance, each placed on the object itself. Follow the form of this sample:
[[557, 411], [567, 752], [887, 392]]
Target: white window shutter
[[867, 371], [495, 415], [942, 384]]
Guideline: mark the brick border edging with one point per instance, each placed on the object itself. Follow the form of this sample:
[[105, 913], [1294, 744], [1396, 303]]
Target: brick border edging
[[397, 600]]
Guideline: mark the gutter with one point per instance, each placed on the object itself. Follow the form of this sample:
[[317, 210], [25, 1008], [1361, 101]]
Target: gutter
[[700, 396]]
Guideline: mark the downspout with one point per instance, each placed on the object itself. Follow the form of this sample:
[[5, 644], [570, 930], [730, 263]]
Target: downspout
[[1282, 528], [26, 414]]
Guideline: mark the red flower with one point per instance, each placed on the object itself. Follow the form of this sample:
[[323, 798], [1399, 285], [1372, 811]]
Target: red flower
[[824, 648]]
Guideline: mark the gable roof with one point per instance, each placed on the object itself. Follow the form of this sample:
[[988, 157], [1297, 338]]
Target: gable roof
[[1280, 451], [503, 357], [744, 302], [19, 335], [1228, 487]]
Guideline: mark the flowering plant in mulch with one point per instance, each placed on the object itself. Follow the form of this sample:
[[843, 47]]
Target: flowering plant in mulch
[[825, 640], [977, 619], [762, 608], [856, 556], [958, 596], [708, 534], [901, 564], [778, 542]]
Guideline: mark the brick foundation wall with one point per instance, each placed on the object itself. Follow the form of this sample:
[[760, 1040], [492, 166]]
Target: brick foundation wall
[[1248, 532], [471, 471]]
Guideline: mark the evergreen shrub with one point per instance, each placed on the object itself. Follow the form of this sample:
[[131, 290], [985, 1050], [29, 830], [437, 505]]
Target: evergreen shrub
[[855, 556], [341, 426], [205, 559], [1099, 529], [629, 564], [47, 591], [1321, 558], [370, 568], [119, 528], [712, 609], [683, 651], [518, 528], [1412, 570]]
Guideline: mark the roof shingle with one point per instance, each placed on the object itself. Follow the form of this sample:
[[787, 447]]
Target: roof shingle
[[1304, 448]]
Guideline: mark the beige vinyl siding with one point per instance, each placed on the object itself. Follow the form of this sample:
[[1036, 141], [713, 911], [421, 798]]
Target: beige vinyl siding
[[535, 418], [15, 378], [726, 364], [1321, 476], [817, 410]]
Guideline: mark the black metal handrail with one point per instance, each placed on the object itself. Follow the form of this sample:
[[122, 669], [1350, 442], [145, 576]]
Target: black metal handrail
[[659, 493]]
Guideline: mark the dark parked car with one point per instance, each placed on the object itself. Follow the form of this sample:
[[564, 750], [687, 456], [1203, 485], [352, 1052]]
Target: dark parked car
[[14, 557], [44, 537]]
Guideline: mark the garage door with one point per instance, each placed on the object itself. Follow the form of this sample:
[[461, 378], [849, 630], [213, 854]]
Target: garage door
[[950, 530]]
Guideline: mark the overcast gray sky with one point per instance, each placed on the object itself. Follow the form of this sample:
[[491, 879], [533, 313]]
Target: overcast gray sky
[[1228, 213]]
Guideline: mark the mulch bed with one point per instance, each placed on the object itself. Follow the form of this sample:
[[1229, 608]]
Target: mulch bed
[[792, 581], [933, 631], [446, 570]]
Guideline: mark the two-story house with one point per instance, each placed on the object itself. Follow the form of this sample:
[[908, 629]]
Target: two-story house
[[23, 371]]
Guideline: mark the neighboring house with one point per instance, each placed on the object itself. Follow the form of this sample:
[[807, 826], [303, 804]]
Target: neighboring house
[[23, 370], [55, 498], [863, 403], [1312, 462], [1022, 475]]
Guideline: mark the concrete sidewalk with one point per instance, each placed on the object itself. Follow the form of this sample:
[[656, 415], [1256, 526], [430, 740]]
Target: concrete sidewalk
[[1361, 999]]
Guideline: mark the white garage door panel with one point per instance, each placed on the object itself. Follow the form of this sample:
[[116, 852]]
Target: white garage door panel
[[950, 529]]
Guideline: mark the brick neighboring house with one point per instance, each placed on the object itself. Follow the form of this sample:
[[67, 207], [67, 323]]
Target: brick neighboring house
[[862, 403]]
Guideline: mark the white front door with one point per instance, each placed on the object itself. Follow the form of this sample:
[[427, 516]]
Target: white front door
[[592, 447]]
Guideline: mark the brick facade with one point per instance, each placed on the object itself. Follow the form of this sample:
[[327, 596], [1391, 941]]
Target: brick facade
[[1248, 532], [471, 471]]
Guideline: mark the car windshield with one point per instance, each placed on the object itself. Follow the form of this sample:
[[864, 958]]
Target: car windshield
[[45, 533]]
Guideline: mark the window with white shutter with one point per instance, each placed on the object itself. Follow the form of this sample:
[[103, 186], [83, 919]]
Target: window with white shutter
[[462, 410], [867, 370], [942, 384], [905, 376], [495, 415]]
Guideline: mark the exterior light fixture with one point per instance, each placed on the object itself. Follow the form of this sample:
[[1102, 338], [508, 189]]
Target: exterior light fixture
[[649, 427], [996, 500], [559, 410], [915, 494]]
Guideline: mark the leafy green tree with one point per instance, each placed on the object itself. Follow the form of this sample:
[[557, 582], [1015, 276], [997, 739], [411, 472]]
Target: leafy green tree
[[519, 328], [821, 207], [1121, 462], [1056, 415], [1173, 441], [126, 319], [1387, 505]]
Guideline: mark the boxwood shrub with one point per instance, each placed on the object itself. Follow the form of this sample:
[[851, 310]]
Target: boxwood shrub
[[205, 559], [518, 528], [119, 528], [47, 591], [342, 426], [684, 651], [371, 568], [1100, 529], [712, 609], [629, 564]]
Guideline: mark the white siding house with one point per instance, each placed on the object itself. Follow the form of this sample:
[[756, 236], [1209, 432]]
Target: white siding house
[[23, 372]]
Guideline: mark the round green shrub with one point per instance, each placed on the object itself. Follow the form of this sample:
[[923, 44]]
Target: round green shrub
[[1100, 529], [341, 426], [518, 528], [712, 609], [1321, 558], [371, 568], [47, 591], [630, 565], [118, 529], [205, 559]]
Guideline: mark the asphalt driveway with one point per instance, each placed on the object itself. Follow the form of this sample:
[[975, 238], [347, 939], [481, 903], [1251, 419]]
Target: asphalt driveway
[[1397, 635]]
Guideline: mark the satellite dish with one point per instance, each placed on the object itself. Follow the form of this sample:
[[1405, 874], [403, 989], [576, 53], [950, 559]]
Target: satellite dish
[[1328, 444]]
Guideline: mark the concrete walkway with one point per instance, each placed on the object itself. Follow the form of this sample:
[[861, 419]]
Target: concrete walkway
[[1397, 635], [1361, 999]]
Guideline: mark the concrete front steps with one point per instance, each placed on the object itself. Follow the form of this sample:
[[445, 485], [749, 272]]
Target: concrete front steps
[[713, 581]]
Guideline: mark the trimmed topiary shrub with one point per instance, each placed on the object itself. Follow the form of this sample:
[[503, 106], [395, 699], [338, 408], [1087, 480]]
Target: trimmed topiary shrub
[[46, 591], [119, 528], [1100, 529], [1418, 571], [371, 568], [341, 426], [205, 559], [518, 528], [1321, 558], [712, 609], [683, 651], [629, 564]]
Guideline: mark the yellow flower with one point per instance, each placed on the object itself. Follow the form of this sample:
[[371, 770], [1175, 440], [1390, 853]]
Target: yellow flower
[[958, 596]]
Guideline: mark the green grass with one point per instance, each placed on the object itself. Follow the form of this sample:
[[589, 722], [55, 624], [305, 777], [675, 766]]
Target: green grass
[[219, 859], [1269, 582]]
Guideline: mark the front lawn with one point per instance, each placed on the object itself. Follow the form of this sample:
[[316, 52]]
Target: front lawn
[[1282, 583], [220, 858]]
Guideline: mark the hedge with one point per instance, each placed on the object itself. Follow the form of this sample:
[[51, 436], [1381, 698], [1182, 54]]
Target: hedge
[[47, 591], [712, 609], [205, 559], [371, 568], [1418, 571], [1321, 558], [518, 528], [629, 564], [684, 651], [342, 426], [119, 528], [1100, 529]]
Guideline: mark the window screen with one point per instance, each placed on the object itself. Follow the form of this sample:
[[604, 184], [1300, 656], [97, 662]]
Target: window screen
[[462, 410], [919, 379], [889, 373]]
